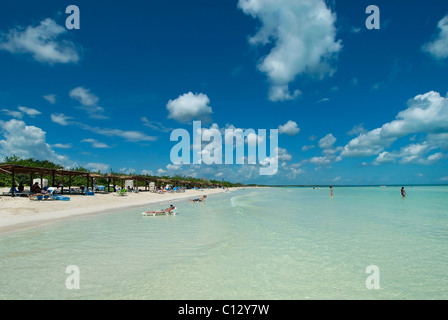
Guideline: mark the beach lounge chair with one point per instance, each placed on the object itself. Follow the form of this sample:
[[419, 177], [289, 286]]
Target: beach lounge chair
[[122, 192], [9, 193], [100, 189], [46, 197]]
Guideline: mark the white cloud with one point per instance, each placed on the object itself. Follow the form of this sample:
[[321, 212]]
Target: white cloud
[[84, 96], [303, 35], [281, 93], [357, 130], [385, 157], [27, 142], [12, 113], [60, 119], [29, 111], [22, 111], [413, 153], [327, 141], [319, 160], [89, 102], [96, 144], [432, 158], [367, 144], [41, 42], [189, 106], [438, 47], [306, 148], [62, 146], [283, 154], [95, 166], [50, 98], [329, 151], [294, 172], [173, 167], [158, 126], [290, 128], [132, 136], [127, 171], [323, 100], [355, 29], [147, 172], [426, 113]]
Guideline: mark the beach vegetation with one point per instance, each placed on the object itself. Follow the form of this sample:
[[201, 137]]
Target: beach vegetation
[[5, 178]]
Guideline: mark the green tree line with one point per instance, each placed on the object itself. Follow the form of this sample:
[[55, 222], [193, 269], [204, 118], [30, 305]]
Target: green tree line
[[5, 179]]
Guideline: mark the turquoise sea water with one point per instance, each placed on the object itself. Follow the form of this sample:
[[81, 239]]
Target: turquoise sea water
[[273, 243]]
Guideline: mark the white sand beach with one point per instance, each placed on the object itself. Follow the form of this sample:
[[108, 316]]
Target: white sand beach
[[20, 213]]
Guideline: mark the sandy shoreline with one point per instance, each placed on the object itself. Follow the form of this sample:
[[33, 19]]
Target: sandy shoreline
[[21, 213]]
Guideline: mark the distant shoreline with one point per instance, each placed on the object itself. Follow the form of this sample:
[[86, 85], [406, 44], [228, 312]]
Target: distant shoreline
[[354, 185]]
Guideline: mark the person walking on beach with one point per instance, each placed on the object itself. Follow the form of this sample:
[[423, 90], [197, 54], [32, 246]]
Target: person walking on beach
[[403, 192]]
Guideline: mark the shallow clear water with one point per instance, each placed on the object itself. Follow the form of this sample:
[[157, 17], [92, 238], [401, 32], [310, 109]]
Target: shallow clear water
[[274, 243]]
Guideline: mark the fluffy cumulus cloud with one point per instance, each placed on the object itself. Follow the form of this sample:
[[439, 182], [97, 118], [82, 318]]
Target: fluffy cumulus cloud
[[418, 153], [27, 142], [290, 128], [327, 141], [319, 161], [438, 47], [426, 114], [283, 154], [190, 106], [42, 42], [302, 34]]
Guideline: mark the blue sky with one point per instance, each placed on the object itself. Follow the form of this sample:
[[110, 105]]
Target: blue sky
[[352, 105]]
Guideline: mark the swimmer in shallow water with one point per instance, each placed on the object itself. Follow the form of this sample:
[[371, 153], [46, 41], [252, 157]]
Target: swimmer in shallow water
[[167, 210], [199, 199]]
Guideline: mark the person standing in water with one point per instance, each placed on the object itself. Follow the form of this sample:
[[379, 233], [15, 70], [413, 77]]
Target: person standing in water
[[403, 192], [331, 191]]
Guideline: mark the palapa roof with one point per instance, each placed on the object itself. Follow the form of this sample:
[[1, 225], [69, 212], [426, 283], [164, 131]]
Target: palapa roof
[[17, 169], [10, 168]]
